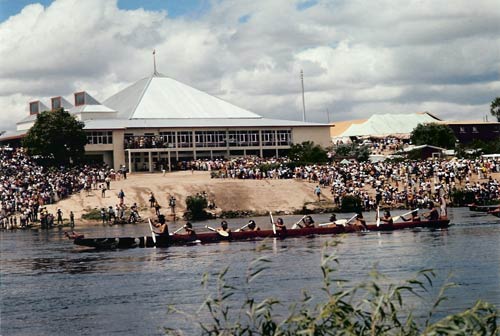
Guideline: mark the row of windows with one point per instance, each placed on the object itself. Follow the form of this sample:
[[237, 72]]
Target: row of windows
[[185, 139], [99, 138]]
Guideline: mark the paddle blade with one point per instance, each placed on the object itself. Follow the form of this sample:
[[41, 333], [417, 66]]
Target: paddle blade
[[223, 233]]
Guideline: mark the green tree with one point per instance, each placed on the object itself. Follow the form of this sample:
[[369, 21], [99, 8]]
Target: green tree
[[307, 152], [433, 134], [57, 137], [495, 108], [359, 152], [196, 206]]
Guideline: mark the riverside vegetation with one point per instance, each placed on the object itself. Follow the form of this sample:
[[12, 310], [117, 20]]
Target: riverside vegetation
[[373, 307]]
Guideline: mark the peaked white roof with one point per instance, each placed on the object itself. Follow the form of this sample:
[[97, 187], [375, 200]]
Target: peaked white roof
[[387, 124], [161, 97]]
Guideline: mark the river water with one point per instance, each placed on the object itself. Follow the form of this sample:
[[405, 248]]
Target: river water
[[51, 287]]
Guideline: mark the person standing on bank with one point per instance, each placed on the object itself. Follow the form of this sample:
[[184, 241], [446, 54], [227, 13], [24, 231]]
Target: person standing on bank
[[317, 191], [71, 219], [59, 216]]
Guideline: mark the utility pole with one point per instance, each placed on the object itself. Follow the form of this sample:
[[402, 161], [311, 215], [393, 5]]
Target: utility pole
[[303, 98]]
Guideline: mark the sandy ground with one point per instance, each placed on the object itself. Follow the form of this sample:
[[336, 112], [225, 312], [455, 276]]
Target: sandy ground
[[254, 195], [228, 194]]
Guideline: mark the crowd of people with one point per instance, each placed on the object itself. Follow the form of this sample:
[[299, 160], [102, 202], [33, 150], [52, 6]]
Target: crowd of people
[[390, 184], [26, 188]]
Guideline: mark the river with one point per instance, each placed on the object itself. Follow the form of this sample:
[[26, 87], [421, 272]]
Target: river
[[49, 286]]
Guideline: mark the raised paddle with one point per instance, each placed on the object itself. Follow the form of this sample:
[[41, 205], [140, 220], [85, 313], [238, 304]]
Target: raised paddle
[[272, 221], [343, 222], [220, 232], [395, 218], [378, 216], [153, 234], [337, 222], [294, 226], [182, 227], [241, 228]]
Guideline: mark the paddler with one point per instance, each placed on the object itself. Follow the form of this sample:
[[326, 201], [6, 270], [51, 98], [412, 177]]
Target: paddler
[[307, 221], [360, 222], [279, 224], [386, 218], [223, 227], [414, 217], [252, 226], [433, 213], [188, 228], [162, 226]]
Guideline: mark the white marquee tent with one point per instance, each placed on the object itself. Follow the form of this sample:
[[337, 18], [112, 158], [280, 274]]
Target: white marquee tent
[[379, 125]]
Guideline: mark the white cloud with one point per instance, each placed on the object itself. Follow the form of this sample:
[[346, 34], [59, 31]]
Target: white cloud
[[358, 57]]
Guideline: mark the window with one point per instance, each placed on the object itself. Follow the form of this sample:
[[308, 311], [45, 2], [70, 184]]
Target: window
[[34, 107], [56, 103], [462, 129], [474, 129], [79, 98], [168, 139], [268, 138], [284, 138], [99, 137], [243, 138], [185, 139]]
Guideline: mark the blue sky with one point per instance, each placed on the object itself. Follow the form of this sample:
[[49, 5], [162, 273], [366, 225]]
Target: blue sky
[[412, 56], [174, 8]]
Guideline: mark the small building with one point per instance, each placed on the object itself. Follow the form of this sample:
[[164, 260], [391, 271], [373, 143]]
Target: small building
[[468, 131]]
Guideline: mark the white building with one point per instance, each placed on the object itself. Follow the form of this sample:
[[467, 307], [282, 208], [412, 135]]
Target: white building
[[158, 121]]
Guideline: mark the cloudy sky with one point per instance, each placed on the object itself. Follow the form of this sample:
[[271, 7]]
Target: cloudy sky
[[358, 57]]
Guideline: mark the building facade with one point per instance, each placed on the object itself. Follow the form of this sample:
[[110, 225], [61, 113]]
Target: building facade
[[158, 122]]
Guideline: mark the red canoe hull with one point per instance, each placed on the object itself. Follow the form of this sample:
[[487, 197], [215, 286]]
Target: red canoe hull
[[213, 237]]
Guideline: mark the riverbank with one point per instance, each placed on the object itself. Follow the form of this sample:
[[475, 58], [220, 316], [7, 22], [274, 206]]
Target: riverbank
[[232, 196]]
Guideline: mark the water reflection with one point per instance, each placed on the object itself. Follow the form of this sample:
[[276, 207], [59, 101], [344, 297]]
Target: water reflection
[[53, 286]]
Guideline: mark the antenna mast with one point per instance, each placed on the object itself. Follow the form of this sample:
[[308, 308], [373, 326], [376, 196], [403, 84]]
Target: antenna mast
[[303, 98]]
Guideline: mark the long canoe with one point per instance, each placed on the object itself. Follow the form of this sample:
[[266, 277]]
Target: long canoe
[[483, 208], [213, 237], [495, 212]]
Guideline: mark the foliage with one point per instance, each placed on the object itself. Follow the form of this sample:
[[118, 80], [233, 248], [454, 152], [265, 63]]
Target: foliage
[[370, 308], [495, 108], [350, 203], [94, 214], [490, 147], [196, 206], [307, 153], [360, 152], [433, 134], [462, 197], [57, 137]]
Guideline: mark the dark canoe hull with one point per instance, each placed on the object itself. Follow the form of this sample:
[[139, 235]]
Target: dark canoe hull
[[483, 208], [213, 237]]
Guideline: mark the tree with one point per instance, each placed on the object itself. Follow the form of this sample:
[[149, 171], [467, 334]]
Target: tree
[[307, 152], [57, 137], [433, 134], [495, 108]]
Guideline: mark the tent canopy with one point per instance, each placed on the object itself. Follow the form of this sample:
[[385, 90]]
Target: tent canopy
[[389, 124]]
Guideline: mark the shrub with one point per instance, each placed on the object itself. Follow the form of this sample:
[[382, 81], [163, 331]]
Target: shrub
[[350, 203], [196, 207], [368, 308]]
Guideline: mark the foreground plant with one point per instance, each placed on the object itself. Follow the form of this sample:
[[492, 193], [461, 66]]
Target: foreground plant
[[368, 308]]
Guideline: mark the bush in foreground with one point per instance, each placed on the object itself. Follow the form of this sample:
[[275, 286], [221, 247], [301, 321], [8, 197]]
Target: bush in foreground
[[369, 308]]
